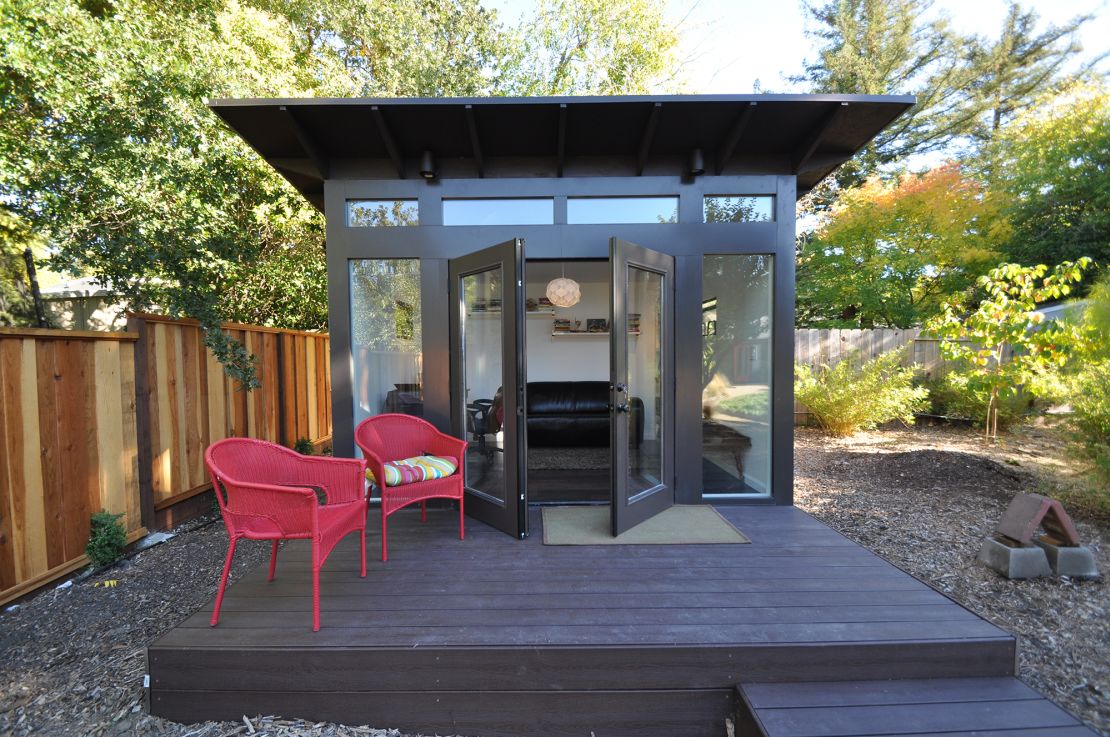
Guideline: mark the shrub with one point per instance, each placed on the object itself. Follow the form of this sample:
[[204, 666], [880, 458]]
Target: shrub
[[844, 399], [107, 539], [955, 395], [1090, 419], [755, 404], [303, 446]]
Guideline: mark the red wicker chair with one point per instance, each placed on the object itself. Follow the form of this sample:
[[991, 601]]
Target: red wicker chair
[[394, 437], [269, 493]]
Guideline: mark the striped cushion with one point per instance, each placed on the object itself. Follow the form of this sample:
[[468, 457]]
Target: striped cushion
[[419, 468]]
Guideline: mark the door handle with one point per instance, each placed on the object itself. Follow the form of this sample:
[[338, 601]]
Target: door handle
[[622, 408], [621, 387]]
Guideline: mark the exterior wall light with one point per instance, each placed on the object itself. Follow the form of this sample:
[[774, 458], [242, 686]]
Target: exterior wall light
[[697, 163], [427, 165]]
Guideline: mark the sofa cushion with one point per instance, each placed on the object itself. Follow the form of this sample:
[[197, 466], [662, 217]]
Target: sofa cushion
[[568, 398]]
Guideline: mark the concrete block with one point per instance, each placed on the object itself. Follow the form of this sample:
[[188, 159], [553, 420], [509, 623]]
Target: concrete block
[[1069, 560], [1014, 560]]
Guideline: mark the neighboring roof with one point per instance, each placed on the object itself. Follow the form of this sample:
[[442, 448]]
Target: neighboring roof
[[809, 135]]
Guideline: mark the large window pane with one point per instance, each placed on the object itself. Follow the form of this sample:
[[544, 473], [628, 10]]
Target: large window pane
[[593, 210], [386, 349], [737, 297], [513, 211], [739, 209], [382, 213]]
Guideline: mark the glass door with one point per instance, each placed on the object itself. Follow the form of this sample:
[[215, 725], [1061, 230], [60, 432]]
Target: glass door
[[486, 295], [641, 363]]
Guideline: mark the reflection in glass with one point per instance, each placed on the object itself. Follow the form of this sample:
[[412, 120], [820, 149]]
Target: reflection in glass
[[481, 330], [593, 210], [737, 298], [739, 209], [382, 213], [645, 378], [386, 352], [509, 211]]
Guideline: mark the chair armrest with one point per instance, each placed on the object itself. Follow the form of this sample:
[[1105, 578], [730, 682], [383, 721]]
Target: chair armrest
[[342, 479], [376, 466], [442, 444], [270, 508]]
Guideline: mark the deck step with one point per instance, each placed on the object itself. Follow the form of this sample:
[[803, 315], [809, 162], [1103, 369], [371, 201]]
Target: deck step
[[953, 707]]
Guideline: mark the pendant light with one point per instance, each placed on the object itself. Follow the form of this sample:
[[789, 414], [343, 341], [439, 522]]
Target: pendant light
[[564, 292]]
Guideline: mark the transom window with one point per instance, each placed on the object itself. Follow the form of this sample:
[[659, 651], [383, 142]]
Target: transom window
[[382, 213], [602, 210], [739, 208], [500, 211]]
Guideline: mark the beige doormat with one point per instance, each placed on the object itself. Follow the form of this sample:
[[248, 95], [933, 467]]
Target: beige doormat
[[693, 524]]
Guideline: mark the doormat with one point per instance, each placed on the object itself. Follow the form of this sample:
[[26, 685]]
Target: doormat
[[576, 459], [693, 524]]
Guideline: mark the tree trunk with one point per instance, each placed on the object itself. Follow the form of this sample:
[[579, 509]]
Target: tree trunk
[[32, 277]]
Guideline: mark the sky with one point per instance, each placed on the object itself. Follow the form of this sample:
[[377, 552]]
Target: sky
[[729, 45]]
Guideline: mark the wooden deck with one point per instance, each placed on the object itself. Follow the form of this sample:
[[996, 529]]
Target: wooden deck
[[495, 636]]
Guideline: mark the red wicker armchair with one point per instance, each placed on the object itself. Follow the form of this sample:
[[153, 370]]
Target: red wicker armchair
[[394, 437], [269, 493]]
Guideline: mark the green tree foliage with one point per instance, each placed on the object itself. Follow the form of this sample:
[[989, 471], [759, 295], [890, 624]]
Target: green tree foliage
[[966, 87], [16, 304], [593, 47], [1054, 166], [846, 398], [1004, 342], [1088, 386], [108, 152], [891, 252]]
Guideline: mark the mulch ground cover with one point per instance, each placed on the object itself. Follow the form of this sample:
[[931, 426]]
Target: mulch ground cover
[[72, 659]]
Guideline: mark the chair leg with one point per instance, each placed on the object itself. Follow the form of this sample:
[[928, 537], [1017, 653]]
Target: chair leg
[[424, 510], [315, 598], [462, 534], [385, 549], [273, 560], [362, 539], [223, 584]]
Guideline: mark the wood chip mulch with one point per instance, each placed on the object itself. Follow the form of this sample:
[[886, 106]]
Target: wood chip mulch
[[924, 499]]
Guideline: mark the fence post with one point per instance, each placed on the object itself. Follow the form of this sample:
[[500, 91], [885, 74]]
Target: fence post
[[138, 326]]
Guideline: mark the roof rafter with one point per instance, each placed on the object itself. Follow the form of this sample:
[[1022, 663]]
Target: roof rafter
[[312, 151], [648, 137], [472, 126], [813, 139], [387, 140], [728, 146]]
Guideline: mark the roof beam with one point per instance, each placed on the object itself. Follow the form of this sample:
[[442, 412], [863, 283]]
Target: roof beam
[[728, 146], [472, 125], [647, 138], [387, 140], [319, 161], [561, 147], [813, 139]]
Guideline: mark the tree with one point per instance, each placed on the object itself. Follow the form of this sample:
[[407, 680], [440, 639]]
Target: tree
[[892, 47], [16, 305], [890, 253], [1053, 168], [1015, 71], [1007, 322], [593, 47]]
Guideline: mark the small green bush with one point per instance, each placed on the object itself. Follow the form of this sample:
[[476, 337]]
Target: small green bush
[[1090, 419], [303, 446], [954, 395], [844, 399], [107, 539]]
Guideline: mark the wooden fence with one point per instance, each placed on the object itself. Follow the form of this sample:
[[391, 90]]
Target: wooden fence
[[120, 421]]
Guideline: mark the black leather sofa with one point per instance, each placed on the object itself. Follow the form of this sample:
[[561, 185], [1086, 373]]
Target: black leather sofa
[[575, 414]]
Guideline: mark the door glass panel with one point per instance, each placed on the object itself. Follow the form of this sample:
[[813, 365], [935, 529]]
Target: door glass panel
[[737, 301], [386, 340], [644, 343], [482, 375]]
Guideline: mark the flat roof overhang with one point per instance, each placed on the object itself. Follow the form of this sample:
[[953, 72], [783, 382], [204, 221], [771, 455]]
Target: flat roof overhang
[[806, 135]]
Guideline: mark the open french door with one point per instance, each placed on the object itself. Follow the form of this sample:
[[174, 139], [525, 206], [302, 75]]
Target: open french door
[[486, 295], [641, 364]]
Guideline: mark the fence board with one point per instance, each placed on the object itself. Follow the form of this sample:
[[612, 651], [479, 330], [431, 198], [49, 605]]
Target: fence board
[[120, 421]]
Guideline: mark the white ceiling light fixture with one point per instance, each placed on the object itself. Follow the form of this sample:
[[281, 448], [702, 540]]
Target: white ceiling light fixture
[[564, 292]]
